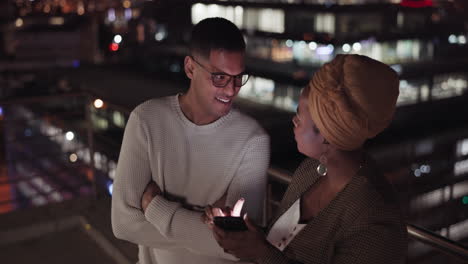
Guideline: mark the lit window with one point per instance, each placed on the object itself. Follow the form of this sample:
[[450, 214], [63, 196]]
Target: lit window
[[430, 199], [128, 13], [462, 147], [408, 49], [239, 16], [408, 93], [400, 19], [56, 21], [425, 92], [201, 11], [325, 49], [460, 167], [258, 89], [80, 10], [126, 4], [462, 39], [459, 230], [99, 122], [266, 23], [460, 189], [325, 23], [449, 85], [111, 15], [118, 119]]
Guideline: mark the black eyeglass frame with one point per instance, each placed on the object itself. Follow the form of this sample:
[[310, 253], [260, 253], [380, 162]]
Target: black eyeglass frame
[[214, 75]]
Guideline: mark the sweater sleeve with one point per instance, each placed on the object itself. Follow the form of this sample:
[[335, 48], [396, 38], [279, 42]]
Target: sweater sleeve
[[186, 228], [132, 176]]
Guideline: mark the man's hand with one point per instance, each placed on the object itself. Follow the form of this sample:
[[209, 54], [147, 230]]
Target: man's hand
[[151, 190]]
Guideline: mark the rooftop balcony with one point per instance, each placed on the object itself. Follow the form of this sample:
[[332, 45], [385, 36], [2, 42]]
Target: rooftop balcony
[[60, 153]]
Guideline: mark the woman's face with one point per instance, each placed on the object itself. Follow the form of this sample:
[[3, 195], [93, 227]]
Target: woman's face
[[308, 139]]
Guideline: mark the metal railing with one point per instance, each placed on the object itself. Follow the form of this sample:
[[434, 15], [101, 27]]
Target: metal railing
[[438, 242]]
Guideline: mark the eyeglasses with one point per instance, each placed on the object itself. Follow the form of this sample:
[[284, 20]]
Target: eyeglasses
[[221, 79]]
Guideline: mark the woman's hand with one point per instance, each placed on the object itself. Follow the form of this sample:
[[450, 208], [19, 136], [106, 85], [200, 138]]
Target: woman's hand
[[213, 210], [245, 245], [218, 209]]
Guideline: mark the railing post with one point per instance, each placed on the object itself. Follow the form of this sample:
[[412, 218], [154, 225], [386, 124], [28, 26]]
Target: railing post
[[90, 137]]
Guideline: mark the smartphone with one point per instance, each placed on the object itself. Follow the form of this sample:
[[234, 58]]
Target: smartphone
[[230, 223]]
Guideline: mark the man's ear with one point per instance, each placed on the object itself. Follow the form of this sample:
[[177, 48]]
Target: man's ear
[[188, 67]]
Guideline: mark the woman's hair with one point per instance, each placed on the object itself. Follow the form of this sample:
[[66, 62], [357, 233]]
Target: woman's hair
[[351, 99], [305, 93]]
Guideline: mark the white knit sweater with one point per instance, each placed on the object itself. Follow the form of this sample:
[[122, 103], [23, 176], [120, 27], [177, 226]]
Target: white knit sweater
[[193, 165]]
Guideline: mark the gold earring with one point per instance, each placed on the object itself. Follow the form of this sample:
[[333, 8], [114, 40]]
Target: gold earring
[[322, 167]]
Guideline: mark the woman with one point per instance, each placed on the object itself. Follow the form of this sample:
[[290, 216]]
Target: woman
[[339, 207]]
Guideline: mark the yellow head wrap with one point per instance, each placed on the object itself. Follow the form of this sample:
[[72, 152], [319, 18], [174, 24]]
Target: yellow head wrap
[[352, 98]]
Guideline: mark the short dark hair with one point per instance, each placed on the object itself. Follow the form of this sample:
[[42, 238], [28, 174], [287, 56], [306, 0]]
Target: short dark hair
[[216, 33]]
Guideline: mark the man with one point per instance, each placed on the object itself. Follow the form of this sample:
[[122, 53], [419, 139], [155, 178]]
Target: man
[[184, 152]]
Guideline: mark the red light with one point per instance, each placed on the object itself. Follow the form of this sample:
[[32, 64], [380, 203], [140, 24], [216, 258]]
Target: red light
[[114, 47], [416, 3]]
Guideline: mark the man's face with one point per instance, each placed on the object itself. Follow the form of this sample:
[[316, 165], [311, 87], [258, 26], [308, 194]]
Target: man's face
[[214, 102]]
